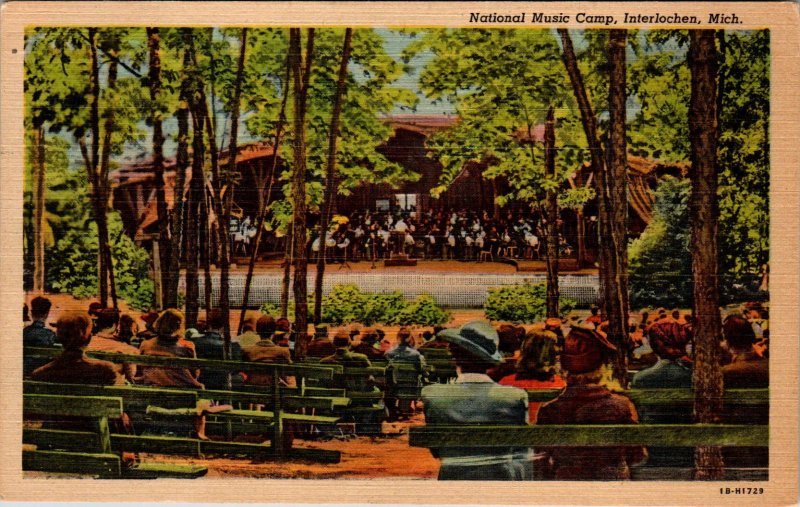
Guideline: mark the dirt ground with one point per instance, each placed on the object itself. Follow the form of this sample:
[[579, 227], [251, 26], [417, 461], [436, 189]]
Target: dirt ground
[[388, 456]]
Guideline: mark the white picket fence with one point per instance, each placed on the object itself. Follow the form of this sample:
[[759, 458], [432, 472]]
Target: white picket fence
[[450, 290]]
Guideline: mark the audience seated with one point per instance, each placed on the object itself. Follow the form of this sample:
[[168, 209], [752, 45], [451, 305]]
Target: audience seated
[[536, 367], [149, 319], [435, 341], [212, 346], [668, 339], [169, 343], [36, 334], [476, 399], [283, 336], [586, 401], [266, 351], [321, 346], [511, 337], [747, 369], [105, 339], [249, 336], [127, 329], [343, 355], [595, 319], [74, 330], [404, 352], [368, 344]]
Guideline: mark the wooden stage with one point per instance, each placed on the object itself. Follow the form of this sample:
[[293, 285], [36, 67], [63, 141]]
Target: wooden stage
[[506, 267]]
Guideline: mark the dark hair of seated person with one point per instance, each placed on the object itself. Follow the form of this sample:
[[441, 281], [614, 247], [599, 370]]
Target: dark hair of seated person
[[107, 318], [738, 333], [40, 308], [72, 331], [214, 319], [537, 357], [127, 328], [265, 327], [169, 324], [468, 362]]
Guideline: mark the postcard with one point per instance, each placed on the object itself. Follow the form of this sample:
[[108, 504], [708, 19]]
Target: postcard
[[400, 253]]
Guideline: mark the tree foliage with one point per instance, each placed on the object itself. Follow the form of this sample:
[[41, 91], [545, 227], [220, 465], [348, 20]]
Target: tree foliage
[[659, 130], [501, 82], [660, 267]]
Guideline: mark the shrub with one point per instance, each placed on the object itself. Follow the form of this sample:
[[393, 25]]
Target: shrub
[[76, 270], [347, 303], [383, 308], [660, 264], [522, 303], [424, 312]]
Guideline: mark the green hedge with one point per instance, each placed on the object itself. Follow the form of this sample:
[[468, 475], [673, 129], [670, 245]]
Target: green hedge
[[348, 304], [522, 303]]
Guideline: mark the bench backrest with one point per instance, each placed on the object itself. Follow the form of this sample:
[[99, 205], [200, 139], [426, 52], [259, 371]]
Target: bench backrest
[[668, 397], [690, 435], [298, 370], [134, 398], [95, 407]]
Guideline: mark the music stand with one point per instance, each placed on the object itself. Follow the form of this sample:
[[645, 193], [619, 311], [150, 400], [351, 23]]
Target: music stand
[[344, 263]]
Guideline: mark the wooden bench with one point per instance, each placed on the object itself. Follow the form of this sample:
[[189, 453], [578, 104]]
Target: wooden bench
[[172, 409], [440, 363], [744, 437], [86, 452], [663, 435]]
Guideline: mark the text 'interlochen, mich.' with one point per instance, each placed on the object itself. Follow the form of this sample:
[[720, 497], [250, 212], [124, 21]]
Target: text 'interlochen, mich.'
[[585, 18]]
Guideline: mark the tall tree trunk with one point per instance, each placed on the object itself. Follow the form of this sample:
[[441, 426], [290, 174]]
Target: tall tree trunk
[[581, 237], [616, 185], [164, 236], [330, 176], [182, 164], [589, 122], [197, 108], [193, 204], [206, 239], [211, 201], [178, 221], [93, 163], [301, 74], [551, 199], [264, 202], [224, 220], [610, 276], [704, 217], [103, 184], [287, 271], [39, 189]]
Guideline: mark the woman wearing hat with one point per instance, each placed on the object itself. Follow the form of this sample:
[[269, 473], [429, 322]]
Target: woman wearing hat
[[475, 399], [585, 401]]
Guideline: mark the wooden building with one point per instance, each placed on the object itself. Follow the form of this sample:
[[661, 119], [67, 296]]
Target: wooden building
[[134, 192]]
